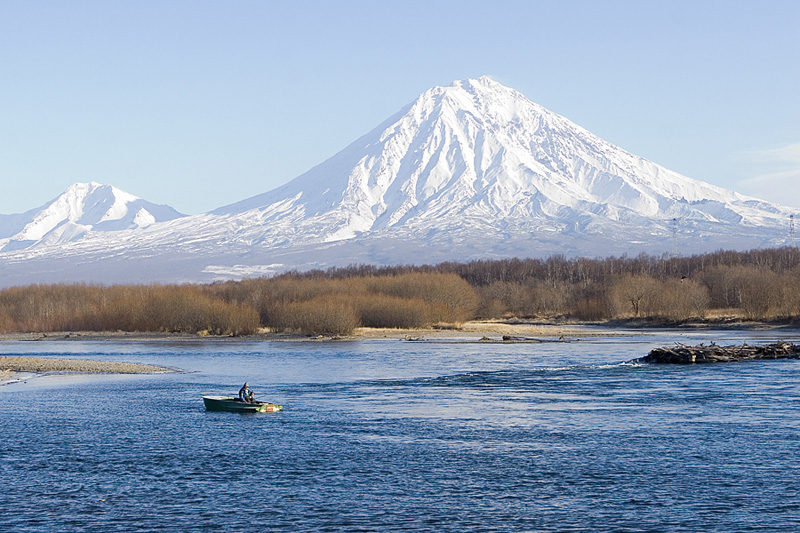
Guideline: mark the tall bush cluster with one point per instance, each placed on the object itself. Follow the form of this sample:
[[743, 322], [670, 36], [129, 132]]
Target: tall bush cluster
[[759, 293], [317, 304], [759, 285], [643, 296], [146, 308]]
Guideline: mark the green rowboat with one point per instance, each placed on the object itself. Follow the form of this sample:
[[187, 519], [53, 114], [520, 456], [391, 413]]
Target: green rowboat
[[230, 403]]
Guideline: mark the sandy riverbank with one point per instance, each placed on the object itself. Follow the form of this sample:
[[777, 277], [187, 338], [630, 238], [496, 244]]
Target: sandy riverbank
[[477, 330], [474, 329]]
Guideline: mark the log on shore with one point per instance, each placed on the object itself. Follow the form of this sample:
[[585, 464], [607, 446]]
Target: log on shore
[[688, 355]]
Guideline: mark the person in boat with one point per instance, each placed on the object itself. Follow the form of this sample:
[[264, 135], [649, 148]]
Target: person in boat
[[246, 394]]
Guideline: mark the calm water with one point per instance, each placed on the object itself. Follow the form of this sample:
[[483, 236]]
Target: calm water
[[391, 436]]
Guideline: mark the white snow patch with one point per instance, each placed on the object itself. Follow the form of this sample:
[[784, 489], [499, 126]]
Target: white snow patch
[[244, 271], [143, 218]]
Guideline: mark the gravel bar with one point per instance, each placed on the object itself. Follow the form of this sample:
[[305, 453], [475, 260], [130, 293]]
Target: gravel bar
[[41, 364]]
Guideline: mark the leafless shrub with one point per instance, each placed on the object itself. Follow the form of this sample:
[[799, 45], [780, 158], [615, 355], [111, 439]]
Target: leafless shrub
[[761, 295], [322, 315], [680, 299], [501, 297], [633, 295], [6, 322], [590, 308], [45, 308], [452, 298], [382, 311]]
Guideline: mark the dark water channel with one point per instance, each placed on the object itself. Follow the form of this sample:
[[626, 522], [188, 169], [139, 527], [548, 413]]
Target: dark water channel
[[388, 435]]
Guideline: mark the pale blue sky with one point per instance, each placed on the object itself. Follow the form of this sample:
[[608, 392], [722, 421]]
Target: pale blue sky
[[198, 104]]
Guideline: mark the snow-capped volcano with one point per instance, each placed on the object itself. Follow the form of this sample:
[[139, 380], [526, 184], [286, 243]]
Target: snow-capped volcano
[[469, 171], [83, 207], [477, 153]]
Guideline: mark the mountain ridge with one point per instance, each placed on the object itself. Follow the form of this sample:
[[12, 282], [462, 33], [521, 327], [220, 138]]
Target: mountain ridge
[[467, 171]]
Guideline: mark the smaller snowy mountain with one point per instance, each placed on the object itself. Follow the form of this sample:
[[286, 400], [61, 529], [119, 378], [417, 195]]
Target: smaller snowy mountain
[[81, 209]]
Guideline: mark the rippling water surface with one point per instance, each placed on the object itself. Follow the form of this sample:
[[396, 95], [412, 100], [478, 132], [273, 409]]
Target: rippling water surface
[[388, 435]]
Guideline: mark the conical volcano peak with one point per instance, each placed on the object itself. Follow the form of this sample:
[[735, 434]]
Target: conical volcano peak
[[476, 152], [483, 88], [484, 98]]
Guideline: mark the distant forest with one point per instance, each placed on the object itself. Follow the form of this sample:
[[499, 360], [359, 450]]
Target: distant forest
[[758, 285]]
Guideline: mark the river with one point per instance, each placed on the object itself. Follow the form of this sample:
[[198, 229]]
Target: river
[[389, 435]]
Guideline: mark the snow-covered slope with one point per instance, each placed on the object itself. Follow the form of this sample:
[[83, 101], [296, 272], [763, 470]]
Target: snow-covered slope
[[82, 208], [477, 152], [468, 171]]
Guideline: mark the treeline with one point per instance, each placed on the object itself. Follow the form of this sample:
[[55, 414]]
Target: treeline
[[755, 285], [557, 268]]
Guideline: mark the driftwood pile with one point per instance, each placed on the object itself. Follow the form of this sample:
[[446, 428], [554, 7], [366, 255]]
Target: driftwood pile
[[688, 355]]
